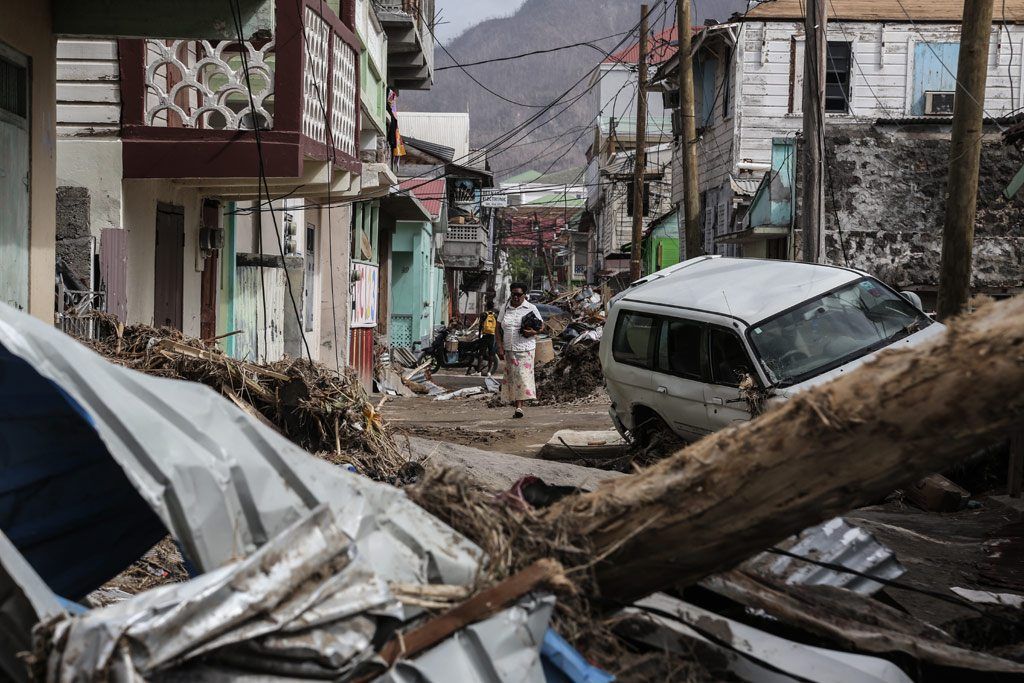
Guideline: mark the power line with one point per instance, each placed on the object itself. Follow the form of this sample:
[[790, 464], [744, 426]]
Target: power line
[[498, 142], [586, 43]]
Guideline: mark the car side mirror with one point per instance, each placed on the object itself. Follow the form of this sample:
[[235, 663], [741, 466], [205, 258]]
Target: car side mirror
[[913, 299]]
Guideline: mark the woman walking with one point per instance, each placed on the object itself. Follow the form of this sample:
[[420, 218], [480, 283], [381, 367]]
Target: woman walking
[[518, 325]]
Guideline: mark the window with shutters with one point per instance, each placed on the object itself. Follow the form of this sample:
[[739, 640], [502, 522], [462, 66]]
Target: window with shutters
[[837, 77], [13, 88]]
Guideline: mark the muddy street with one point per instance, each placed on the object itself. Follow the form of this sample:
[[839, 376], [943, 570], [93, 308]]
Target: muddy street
[[472, 422]]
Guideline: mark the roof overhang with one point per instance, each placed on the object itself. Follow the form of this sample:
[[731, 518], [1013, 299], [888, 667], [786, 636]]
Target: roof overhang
[[405, 207], [751, 235]]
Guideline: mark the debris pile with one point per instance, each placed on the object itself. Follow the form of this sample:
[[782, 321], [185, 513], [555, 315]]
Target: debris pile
[[574, 375], [310, 571], [315, 407]]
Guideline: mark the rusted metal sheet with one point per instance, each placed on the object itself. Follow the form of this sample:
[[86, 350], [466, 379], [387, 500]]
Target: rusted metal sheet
[[114, 271], [360, 355]]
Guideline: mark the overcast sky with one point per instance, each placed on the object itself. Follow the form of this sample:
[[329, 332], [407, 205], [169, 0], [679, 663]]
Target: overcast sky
[[458, 15]]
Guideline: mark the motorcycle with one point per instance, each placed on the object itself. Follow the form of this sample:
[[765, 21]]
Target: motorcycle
[[439, 352]]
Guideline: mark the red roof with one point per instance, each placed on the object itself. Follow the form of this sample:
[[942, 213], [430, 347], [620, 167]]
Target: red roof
[[660, 48], [430, 192]]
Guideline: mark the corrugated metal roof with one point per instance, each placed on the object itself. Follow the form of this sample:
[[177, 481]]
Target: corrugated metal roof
[[430, 192], [442, 152], [450, 129], [835, 542], [744, 186], [882, 10]]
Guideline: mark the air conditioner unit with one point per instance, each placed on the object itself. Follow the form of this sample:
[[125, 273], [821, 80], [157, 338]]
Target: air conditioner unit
[[939, 103]]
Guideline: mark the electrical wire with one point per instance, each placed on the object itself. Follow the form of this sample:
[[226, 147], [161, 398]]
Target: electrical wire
[[586, 43], [504, 138], [981, 105], [237, 16]]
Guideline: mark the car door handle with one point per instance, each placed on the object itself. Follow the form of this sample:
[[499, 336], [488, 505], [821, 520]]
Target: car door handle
[[718, 401], [662, 390]]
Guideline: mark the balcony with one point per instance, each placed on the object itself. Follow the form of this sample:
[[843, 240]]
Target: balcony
[[410, 28], [188, 111], [465, 247]]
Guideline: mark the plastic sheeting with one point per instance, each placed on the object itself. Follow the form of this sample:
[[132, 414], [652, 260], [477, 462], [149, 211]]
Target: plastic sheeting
[[221, 482]]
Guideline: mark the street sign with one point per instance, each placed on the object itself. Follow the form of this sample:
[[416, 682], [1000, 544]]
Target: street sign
[[493, 199]]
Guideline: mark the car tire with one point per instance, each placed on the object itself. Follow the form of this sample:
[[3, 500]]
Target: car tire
[[654, 440]]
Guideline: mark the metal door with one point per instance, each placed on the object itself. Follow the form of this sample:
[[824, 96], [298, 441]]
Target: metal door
[[728, 361], [114, 271], [14, 177], [169, 272], [679, 377]]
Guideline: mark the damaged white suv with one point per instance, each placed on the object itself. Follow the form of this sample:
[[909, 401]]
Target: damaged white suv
[[678, 344]]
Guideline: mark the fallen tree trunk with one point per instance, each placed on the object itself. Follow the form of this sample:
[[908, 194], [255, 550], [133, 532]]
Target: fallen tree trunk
[[827, 451]]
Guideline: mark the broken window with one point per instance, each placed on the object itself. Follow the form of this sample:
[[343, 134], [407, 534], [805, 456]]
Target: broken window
[[729, 359], [837, 77], [634, 338], [679, 348]]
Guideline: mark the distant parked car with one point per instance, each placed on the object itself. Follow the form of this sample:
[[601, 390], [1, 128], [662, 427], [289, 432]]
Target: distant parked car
[[678, 343]]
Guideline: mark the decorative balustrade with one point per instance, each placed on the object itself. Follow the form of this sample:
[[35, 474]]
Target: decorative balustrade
[[199, 84], [304, 81]]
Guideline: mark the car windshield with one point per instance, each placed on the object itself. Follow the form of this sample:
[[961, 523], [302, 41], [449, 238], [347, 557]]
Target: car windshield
[[833, 329]]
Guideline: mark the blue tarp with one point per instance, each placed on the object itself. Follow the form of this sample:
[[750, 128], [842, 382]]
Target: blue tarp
[[64, 502]]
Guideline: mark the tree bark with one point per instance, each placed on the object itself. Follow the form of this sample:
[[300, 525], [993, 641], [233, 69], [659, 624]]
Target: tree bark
[[828, 450]]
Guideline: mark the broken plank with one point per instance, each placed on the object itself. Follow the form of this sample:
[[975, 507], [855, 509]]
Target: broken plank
[[174, 346], [482, 605], [247, 407]]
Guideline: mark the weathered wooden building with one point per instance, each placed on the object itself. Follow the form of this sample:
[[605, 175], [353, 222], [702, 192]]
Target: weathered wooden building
[[891, 74]]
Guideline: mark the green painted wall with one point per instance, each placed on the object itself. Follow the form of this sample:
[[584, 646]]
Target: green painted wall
[[412, 276], [194, 19], [669, 252]]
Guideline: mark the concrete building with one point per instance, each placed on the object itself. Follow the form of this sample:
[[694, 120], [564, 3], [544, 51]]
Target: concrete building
[[890, 82]]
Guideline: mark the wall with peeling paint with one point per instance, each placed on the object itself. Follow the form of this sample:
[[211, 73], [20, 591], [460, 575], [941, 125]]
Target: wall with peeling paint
[[888, 200]]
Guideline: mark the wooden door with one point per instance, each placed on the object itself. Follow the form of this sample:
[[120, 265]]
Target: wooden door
[[14, 177], [169, 272]]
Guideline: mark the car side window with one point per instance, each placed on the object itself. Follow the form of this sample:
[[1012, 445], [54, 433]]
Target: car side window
[[679, 348], [729, 358], [634, 338]]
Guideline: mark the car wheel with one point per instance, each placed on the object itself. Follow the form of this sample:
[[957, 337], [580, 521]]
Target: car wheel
[[654, 440]]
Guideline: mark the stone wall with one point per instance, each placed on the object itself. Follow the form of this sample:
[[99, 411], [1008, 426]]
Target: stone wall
[[74, 239], [887, 198]]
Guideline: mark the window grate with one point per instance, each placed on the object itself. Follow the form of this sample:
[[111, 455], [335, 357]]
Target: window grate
[[13, 88]]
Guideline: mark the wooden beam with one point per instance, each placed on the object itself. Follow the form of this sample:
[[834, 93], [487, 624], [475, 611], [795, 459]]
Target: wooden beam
[[482, 605]]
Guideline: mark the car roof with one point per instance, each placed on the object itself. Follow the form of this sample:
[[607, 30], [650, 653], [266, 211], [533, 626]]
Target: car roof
[[746, 289]]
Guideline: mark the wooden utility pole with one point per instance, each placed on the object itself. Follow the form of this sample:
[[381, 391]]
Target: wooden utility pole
[[689, 223], [635, 270], [815, 46], [964, 159]]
